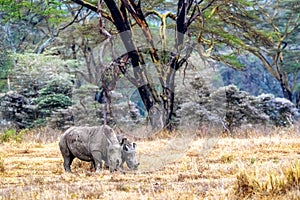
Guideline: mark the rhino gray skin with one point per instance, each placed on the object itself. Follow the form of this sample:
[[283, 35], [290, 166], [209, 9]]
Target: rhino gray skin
[[91, 144], [128, 153]]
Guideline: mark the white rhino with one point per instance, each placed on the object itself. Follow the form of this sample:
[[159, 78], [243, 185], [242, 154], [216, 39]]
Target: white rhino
[[128, 153], [91, 144]]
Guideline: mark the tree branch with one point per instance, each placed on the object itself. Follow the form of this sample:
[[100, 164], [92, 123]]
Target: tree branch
[[93, 8], [136, 12], [70, 23]]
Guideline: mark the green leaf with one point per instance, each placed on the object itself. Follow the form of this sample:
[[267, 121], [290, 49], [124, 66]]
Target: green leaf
[[232, 60]]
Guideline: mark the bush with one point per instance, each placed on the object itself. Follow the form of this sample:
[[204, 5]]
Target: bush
[[58, 85], [233, 108], [40, 87], [6, 65], [51, 102], [11, 135], [17, 109]]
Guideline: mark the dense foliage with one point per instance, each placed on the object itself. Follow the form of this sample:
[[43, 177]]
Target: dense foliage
[[233, 107], [5, 63], [38, 89], [60, 42]]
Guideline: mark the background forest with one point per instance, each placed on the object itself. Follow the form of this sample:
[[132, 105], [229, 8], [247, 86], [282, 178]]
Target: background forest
[[209, 90], [243, 69]]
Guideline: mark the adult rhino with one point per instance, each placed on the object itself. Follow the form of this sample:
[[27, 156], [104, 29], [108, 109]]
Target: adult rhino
[[91, 144]]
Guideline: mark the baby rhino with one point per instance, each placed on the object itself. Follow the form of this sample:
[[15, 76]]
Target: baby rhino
[[91, 144], [128, 153]]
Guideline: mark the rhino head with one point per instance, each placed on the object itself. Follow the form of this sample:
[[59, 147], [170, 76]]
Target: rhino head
[[114, 157], [129, 155]]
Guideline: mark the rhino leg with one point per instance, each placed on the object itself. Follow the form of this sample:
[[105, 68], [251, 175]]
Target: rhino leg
[[106, 166], [66, 153], [67, 162], [92, 166], [122, 163], [97, 160]]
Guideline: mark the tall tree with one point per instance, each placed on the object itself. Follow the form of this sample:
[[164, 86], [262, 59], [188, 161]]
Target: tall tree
[[269, 30], [31, 26], [167, 63]]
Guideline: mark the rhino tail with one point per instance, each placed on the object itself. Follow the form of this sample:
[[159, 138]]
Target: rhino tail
[[63, 144]]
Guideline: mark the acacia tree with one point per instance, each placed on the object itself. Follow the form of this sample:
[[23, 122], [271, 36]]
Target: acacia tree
[[36, 26], [29, 25], [269, 30], [159, 105]]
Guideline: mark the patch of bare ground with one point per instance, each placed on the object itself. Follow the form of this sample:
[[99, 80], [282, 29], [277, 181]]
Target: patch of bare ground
[[231, 168]]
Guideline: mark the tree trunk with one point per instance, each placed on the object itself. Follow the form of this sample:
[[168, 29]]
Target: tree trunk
[[168, 107], [298, 100], [8, 83], [287, 93], [160, 108], [147, 93]]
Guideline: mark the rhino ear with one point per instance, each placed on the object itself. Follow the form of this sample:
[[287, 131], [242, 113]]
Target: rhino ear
[[134, 145], [123, 141], [126, 147]]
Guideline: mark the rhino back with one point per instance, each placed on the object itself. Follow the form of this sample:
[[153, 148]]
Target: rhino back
[[78, 142], [110, 134], [82, 141]]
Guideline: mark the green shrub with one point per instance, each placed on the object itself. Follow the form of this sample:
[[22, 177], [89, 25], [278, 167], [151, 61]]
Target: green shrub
[[39, 123], [11, 135], [41, 86], [53, 101], [58, 85]]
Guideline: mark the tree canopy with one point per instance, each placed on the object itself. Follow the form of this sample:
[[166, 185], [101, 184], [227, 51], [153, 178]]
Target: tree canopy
[[156, 40]]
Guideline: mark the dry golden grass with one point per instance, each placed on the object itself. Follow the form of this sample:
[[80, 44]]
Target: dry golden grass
[[252, 165]]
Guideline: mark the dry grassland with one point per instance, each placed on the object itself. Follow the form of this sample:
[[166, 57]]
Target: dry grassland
[[250, 166]]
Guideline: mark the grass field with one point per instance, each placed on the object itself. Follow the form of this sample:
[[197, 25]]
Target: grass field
[[250, 165]]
